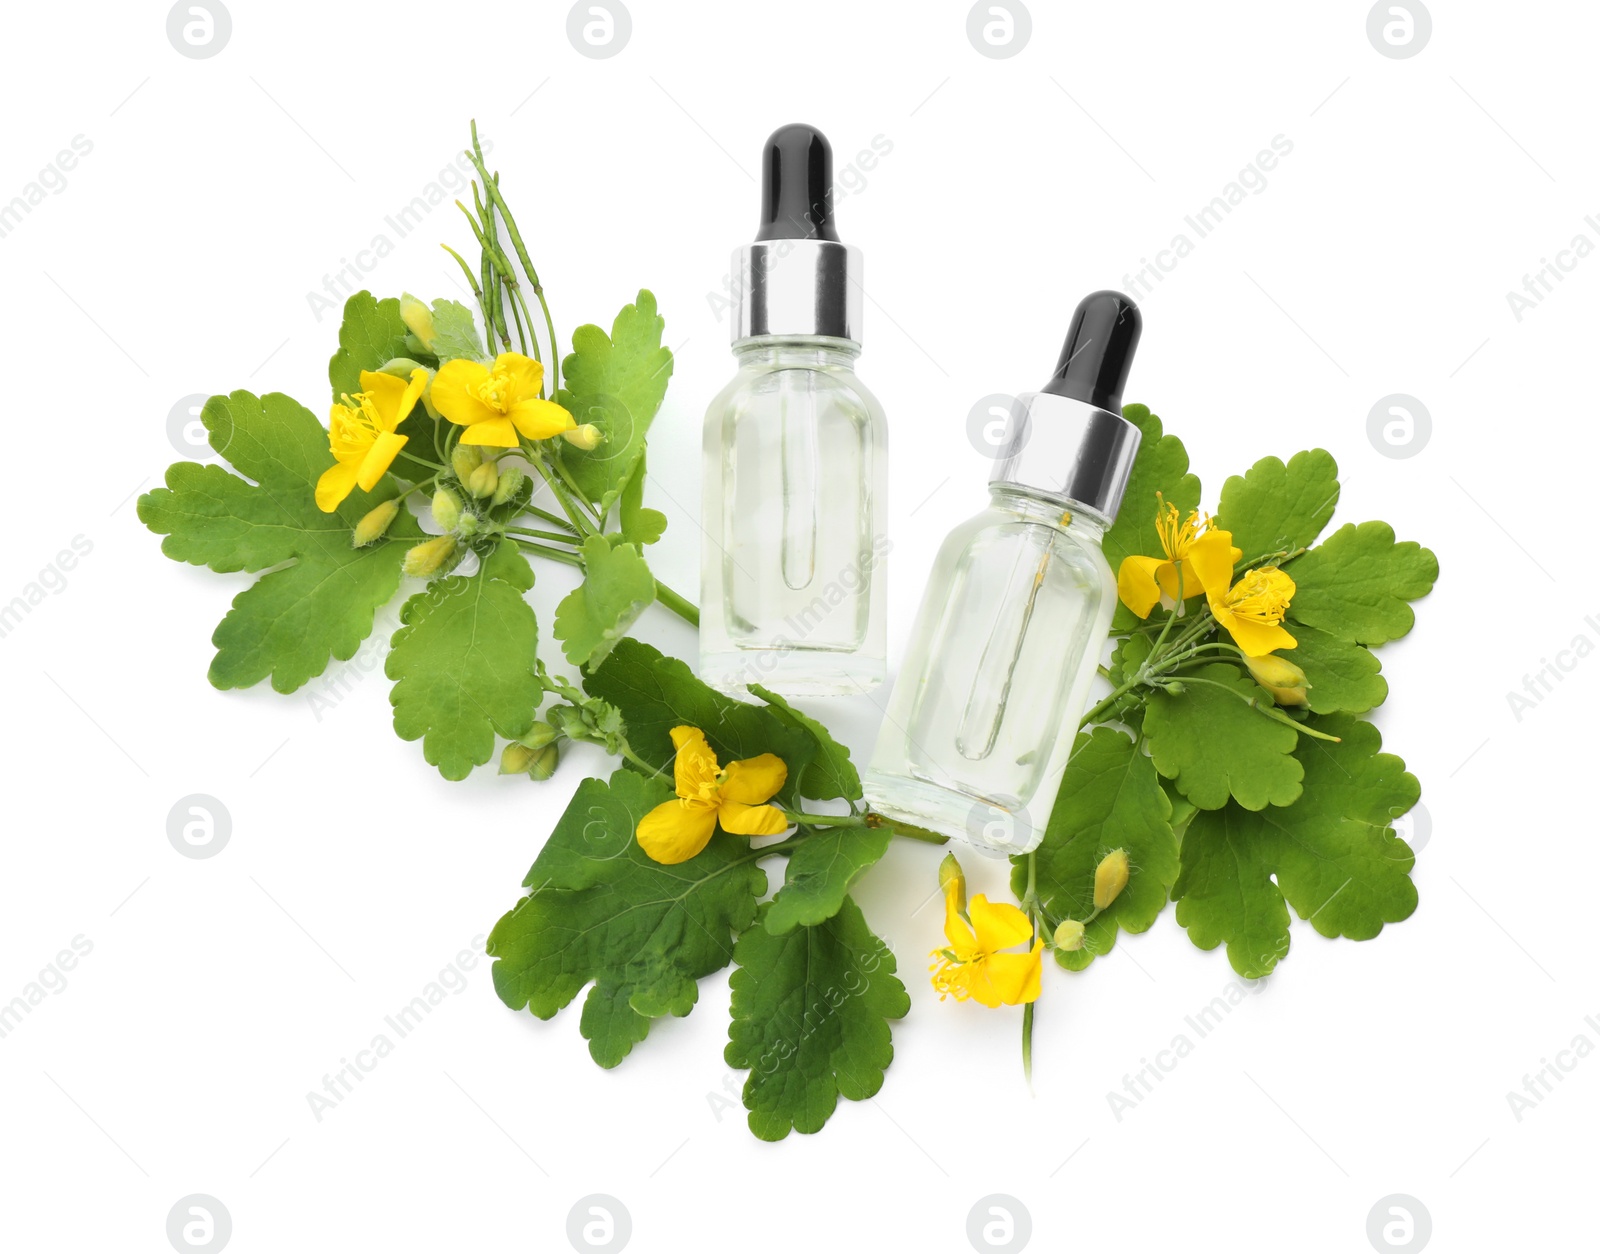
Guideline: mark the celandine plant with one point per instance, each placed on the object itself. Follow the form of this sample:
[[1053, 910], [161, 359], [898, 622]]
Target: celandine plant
[[1217, 772]]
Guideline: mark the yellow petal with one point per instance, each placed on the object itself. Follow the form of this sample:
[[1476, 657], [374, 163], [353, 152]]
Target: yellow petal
[[754, 780], [674, 832], [539, 420], [998, 924], [335, 484], [455, 394], [523, 375], [393, 398], [1136, 583], [1012, 979], [956, 930], [378, 459], [495, 432], [1209, 561], [1256, 638], [743, 820], [695, 768]]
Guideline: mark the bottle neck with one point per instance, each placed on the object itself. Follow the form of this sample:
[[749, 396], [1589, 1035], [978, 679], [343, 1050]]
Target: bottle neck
[[814, 351], [1053, 510]]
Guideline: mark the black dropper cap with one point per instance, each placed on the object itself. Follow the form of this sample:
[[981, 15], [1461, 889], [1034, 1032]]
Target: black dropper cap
[[797, 185], [1099, 351]]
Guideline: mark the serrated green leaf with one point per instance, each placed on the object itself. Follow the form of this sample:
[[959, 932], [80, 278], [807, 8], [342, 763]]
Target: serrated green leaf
[[464, 665], [1342, 677], [810, 1020], [1355, 584], [616, 382], [601, 911], [455, 332], [1161, 465], [1334, 855], [1213, 745], [821, 872], [318, 606], [1109, 798], [616, 588], [639, 525], [831, 775], [657, 693], [1274, 507]]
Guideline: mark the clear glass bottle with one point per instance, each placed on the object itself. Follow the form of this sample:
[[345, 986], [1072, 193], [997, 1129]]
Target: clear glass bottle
[[794, 475], [984, 713]]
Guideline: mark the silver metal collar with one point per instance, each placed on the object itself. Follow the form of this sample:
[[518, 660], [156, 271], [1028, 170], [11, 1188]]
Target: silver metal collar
[[1068, 450], [798, 287]]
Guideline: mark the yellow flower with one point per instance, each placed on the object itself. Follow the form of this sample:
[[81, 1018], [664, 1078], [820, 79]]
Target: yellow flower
[[1252, 611], [361, 434], [708, 794], [495, 403], [1206, 558], [1279, 676], [972, 966]]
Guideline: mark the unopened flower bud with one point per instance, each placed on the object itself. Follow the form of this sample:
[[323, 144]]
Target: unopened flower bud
[[1110, 878], [375, 522], [1069, 935], [515, 759], [446, 509], [484, 480], [464, 459], [510, 480], [468, 526], [539, 735], [545, 762], [1279, 676], [418, 319], [585, 437], [430, 557], [952, 881]]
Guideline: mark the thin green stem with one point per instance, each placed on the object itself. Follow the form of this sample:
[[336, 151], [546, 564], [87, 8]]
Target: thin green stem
[[493, 189], [1027, 1044], [548, 517], [579, 523], [1255, 704], [678, 604], [555, 555], [802, 819], [558, 536]]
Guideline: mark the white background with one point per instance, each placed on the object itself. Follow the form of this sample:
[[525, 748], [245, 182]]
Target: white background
[[178, 259]]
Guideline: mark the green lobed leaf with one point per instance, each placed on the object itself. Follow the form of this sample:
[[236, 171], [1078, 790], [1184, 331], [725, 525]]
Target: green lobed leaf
[[455, 332], [616, 588], [616, 382], [1342, 677], [1333, 854], [464, 663], [640, 525], [321, 602], [602, 912], [371, 334], [821, 872], [1213, 745], [831, 775], [1355, 584], [1109, 798], [1161, 465], [657, 693], [810, 1020], [1275, 507]]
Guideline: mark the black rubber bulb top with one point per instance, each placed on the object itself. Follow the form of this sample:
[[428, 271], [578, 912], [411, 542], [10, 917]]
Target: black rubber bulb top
[[797, 185], [1099, 351]]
